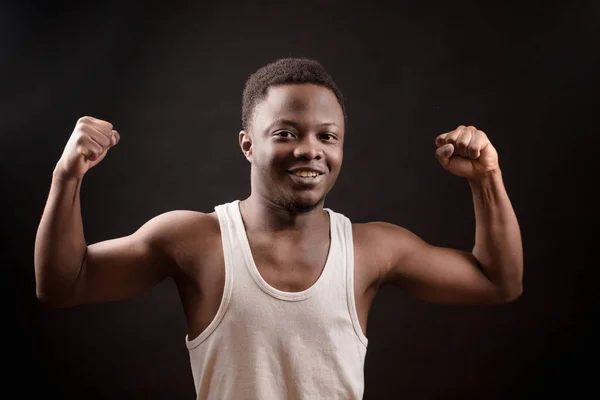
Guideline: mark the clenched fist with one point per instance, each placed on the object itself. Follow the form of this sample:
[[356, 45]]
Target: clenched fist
[[90, 141], [466, 152]]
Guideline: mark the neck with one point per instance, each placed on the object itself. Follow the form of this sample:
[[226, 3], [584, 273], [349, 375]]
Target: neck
[[261, 213]]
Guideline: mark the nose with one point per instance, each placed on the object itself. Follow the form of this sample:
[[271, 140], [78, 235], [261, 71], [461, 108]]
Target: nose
[[308, 149]]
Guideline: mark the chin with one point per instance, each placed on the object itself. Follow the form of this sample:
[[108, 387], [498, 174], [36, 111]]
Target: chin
[[300, 206]]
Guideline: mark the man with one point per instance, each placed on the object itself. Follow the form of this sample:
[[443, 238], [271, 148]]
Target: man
[[276, 288]]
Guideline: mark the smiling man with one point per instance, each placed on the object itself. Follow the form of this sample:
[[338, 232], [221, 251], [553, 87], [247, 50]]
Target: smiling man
[[276, 288]]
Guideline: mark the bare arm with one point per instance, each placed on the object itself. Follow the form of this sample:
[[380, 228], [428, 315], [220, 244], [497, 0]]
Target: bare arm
[[493, 271], [69, 272], [60, 245], [498, 244]]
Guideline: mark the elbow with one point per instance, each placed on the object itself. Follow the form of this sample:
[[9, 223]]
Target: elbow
[[52, 298], [55, 288], [511, 293], [54, 302], [47, 299]]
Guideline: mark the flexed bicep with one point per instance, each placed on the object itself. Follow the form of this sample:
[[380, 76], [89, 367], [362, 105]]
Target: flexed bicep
[[432, 273]]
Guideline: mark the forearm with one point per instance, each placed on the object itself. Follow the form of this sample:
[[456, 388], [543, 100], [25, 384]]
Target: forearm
[[60, 243], [498, 246]]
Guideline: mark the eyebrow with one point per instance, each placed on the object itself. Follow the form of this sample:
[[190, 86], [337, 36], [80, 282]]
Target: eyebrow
[[295, 124]]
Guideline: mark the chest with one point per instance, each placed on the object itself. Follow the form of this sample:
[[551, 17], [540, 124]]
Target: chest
[[287, 264]]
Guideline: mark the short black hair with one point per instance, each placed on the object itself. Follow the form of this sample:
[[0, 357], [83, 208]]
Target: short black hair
[[281, 72]]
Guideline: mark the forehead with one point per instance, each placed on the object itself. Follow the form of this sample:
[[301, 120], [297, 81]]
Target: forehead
[[312, 104]]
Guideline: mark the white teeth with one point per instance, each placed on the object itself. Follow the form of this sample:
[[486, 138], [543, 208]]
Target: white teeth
[[306, 174]]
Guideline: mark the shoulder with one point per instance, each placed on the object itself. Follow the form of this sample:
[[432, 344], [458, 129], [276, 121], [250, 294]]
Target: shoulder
[[181, 221], [374, 232], [185, 219], [187, 238], [382, 244], [179, 227]]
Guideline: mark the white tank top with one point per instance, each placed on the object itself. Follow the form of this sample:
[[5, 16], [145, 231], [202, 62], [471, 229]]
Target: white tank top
[[265, 343]]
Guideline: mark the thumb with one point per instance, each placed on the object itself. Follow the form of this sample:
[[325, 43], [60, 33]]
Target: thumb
[[444, 153], [114, 138]]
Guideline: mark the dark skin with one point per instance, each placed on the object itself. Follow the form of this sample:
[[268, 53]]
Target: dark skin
[[295, 148]]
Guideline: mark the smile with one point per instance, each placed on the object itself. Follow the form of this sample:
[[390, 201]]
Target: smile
[[306, 173], [306, 177]]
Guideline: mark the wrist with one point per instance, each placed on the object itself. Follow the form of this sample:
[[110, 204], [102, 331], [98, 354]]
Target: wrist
[[60, 175], [486, 178], [487, 187]]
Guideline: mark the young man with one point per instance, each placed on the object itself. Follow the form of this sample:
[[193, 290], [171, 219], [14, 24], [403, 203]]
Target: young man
[[276, 288]]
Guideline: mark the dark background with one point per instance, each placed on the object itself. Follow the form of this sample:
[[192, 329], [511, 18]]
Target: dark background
[[170, 79]]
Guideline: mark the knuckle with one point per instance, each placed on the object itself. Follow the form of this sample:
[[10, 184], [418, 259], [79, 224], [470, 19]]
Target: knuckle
[[80, 139], [83, 150], [83, 129]]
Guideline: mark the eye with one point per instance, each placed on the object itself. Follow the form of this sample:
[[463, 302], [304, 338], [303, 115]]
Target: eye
[[284, 134], [328, 137]]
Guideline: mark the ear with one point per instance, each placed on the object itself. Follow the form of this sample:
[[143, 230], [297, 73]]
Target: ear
[[245, 140]]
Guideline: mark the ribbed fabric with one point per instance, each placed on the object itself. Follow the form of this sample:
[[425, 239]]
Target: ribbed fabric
[[265, 343]]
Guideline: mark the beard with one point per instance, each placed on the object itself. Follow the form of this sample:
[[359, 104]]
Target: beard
[[278, 193], [295, 207]]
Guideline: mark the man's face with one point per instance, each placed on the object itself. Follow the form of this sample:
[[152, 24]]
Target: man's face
[[295, 145]]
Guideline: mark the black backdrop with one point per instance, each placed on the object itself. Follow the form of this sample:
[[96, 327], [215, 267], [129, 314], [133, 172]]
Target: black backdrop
[[170, 79]]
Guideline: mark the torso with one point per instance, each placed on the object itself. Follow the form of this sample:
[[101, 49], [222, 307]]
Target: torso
[[286, 263]]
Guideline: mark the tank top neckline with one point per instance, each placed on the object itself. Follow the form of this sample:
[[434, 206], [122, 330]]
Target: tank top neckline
[[253, 269]]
